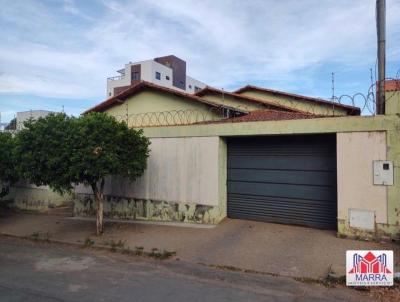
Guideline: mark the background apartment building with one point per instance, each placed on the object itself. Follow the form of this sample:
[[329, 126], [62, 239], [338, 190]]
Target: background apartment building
[[168, 71], [24, 116]]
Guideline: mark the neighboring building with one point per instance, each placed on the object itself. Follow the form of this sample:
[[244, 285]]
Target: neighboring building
[[392, 96], [254, 98], [299, 102], [168, 71], [24, 116], [2, 126], [243, 102]]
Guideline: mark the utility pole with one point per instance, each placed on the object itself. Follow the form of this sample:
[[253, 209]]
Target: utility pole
[[381, 35]]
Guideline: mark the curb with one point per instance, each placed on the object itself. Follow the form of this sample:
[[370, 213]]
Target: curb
[[331, 278], [149, 255]]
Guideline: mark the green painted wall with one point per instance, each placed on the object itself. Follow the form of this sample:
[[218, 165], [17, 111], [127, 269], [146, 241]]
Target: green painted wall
[[153, 210], [296, 104], [151, 101], [392, 103], [31, 198], [300, 126], [228, 100]]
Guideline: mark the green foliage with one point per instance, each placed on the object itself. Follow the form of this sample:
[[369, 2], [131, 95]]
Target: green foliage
[[61, 151], [107, 147], [12, 125], [8, 174], [88, 242], [44, 150]]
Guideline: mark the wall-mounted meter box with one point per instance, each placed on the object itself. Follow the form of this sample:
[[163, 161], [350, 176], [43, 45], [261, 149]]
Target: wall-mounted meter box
[[383, 172]]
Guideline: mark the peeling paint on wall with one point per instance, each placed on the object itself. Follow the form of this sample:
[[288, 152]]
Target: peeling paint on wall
[[32, 198], [130, 208], [381, 231]]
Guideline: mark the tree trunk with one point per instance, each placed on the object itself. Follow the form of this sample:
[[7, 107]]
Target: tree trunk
[[99, 197]]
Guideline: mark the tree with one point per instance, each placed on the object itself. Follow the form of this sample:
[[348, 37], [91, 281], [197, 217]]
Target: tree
[[104, 148], [12, 125], [62, 151], [8, 174]]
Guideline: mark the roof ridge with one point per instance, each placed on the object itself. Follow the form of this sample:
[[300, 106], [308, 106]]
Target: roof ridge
[[144, 84]]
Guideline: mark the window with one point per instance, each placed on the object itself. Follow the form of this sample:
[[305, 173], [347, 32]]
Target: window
[[167, 78], [158, 75], [226, 112], [196, 88], [190, 86], [109, 94], [135, 76]]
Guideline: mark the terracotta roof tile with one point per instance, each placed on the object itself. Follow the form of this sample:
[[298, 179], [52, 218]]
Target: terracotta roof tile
[[142, 85], [266, 115], [392, 85]]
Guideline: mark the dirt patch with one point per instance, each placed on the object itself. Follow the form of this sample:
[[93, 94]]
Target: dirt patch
[[65, 264]]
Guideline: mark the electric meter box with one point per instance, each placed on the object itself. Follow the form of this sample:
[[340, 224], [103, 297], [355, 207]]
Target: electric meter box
[[383, 172]]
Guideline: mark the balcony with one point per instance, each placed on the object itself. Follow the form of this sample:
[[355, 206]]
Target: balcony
[[116, 78]]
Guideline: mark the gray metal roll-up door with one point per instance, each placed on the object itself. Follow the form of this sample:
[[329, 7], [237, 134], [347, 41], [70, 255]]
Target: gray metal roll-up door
[[283, 179]]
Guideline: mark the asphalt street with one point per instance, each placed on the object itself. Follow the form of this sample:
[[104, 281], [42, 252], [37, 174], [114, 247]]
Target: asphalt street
[[36, 271]]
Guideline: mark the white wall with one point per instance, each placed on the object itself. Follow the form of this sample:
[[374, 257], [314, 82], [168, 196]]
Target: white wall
[[356, 152], [164, 71], [183, 170], [191, 83], [26, 115], [148, 70]]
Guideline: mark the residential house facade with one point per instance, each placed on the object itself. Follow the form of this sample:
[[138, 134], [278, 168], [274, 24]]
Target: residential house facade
[[276, 161], [258, 154]]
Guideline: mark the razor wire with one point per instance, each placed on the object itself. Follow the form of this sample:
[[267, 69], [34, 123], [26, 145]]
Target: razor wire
[[367, 101], [171, 118]]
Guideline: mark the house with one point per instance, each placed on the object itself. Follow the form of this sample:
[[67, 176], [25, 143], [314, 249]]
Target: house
[[148, 104], [168, 71], [262, 156], [300, 102], [238, 101], [271, 165], [280, 157]]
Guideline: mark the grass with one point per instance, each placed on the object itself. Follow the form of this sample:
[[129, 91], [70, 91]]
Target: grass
[[88, 242], [40, 236], [163, 254], [115, 245]]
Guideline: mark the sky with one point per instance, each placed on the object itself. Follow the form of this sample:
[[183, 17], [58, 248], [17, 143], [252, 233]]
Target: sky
[[57, 54]]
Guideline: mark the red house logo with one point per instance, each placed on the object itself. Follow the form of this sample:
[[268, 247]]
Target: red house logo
[[369, 268]]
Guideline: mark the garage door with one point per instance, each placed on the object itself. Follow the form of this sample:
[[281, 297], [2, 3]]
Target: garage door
[[283, 179]]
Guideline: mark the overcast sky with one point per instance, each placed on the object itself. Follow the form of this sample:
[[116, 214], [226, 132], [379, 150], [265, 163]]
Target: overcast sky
[[55, 52]]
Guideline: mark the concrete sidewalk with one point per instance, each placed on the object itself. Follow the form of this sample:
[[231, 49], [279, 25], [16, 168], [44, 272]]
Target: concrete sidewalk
[[264, 247]]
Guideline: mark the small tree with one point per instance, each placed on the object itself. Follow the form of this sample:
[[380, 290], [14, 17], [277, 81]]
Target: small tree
[[62, 151], [8, 173], [104, 148], [12, 125]]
